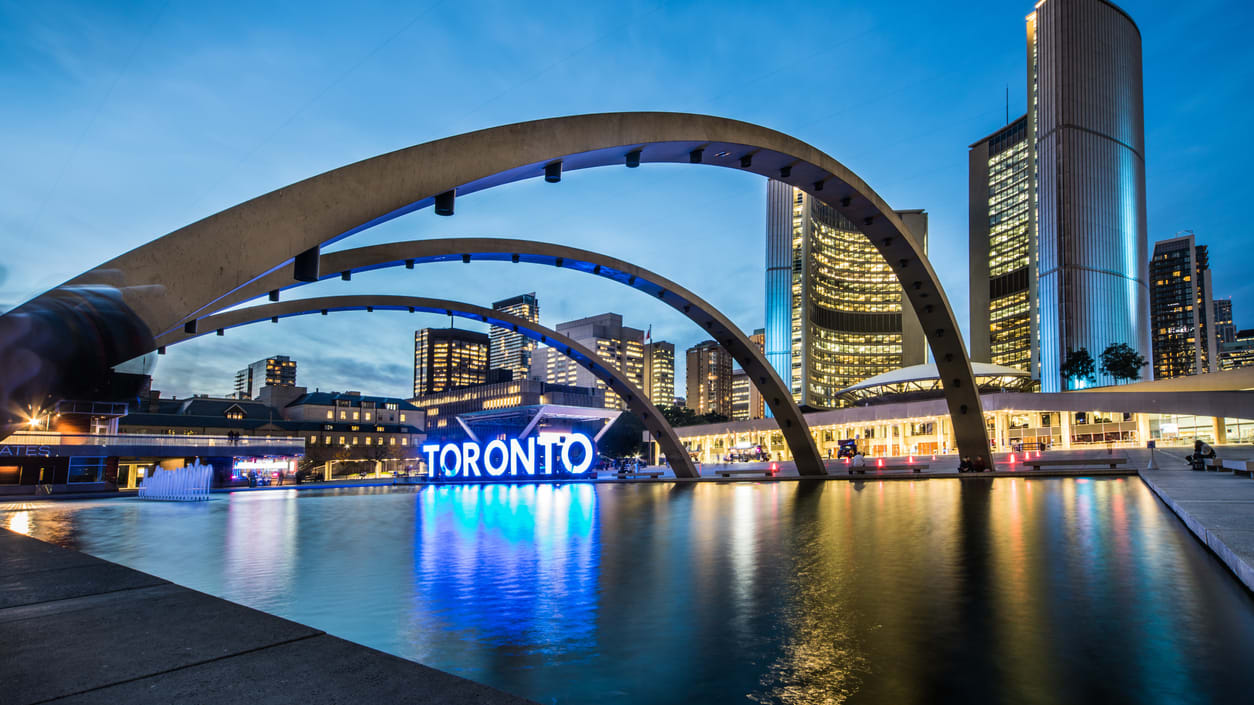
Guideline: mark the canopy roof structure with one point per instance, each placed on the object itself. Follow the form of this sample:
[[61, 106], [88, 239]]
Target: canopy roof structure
[[922, 382]]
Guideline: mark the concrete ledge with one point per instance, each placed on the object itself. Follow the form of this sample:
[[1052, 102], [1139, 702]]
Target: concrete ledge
[[81, 629], [1238, 565]]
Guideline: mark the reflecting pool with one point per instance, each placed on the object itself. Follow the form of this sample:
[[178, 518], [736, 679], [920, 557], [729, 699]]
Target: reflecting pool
[[980, 590]]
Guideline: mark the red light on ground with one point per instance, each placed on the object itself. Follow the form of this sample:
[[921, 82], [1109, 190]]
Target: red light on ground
[[774, 468], [879, 462], [1012, 459], [911, 460]]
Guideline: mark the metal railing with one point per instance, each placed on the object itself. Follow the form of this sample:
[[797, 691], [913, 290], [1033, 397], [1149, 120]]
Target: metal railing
[[152, 440]]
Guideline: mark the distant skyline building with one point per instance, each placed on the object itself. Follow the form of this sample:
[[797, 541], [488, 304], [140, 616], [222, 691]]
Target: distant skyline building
[[1181, 306], [1238, 352], [620, 346], [1086, 126], [747, 402], [1003, 250], [508, 350], [1225, 330], [659, 371], [448, 358], [278, 371], [709, 379], [834, 313]]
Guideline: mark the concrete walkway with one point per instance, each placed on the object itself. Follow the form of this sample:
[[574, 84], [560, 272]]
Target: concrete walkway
[[77, 629], [1218, 507]]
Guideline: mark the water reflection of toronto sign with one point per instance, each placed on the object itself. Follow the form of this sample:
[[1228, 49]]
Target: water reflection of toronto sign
[[537, 456]]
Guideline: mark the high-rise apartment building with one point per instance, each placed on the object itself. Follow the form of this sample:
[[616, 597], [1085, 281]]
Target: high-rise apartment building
[[448, 358], [619, 346], [659, 372], [1225, 330], [277, 371], [1003, 249], [709, 379], [1085, 123], [834, 313], [508, 350], [1181, 307]]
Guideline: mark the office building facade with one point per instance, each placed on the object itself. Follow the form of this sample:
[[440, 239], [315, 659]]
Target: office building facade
[[1181, 309], [619, 346], [747, 402], [659, 372], [442, 409], [834, 313], [1003, 250], [1086, 127], [709, 379], [1238, 352], [508, 350], [276, 371], [448, 358]]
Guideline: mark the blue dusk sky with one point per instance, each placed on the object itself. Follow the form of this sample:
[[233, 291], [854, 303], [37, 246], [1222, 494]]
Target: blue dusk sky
[[125, 121]]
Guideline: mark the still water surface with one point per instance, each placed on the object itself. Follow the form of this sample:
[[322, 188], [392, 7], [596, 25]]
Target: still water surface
[[1006, 590]]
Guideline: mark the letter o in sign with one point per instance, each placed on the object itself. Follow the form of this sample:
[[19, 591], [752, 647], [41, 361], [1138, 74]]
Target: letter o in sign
[[588, 452], [493, 468]]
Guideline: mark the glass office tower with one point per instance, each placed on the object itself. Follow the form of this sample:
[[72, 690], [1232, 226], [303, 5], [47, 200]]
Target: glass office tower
[[1086, 126], [1003, 250], [448, 358], [508, 350], [834, 313]]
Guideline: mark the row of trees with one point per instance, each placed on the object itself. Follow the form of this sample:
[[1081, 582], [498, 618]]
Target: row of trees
[[683, 416], [1118, 360]]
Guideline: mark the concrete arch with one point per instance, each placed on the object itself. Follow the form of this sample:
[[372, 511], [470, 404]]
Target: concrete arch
[[179, 276], [363, 259], [637, 403]]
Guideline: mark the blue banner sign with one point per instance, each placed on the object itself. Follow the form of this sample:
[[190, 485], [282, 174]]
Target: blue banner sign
[[546, 454]]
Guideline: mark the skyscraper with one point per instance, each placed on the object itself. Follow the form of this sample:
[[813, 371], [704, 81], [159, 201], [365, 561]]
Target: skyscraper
[[278, 371], [509, 350], [834, 312], [709, 379], [447, 358], [659, 372], [1225, 331], [616, 344], [1181, 307], [1002, 249], [1085, 124]]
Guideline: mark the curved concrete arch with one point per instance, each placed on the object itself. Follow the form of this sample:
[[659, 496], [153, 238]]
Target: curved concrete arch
[[775, 393], [179, 276], [637, 403]]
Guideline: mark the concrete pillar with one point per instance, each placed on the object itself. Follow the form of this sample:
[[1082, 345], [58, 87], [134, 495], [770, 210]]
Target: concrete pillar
[[1066, 417], [1000, 435], [1142, 429], [326, 471], [1221, 431]]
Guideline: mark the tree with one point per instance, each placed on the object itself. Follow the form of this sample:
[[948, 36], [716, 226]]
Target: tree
[[1123, 363], [1078, 365], [624, 437]]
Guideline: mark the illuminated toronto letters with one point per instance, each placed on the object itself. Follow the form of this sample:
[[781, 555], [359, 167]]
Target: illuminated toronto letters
[[513, 458]]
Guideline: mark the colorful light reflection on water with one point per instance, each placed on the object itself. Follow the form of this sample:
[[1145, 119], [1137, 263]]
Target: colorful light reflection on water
[[1006, 590]]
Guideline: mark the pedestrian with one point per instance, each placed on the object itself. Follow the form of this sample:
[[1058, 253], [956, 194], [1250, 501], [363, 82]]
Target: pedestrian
[[859, 460]]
